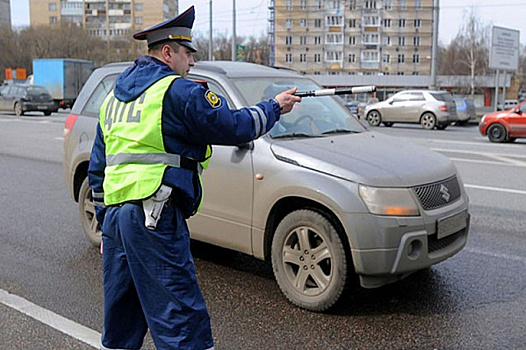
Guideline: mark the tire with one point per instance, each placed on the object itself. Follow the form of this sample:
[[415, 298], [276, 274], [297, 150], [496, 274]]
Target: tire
[[428, 121], [312, 272], [388, 124], [90, 226], [47, 113], [442, 126], [18, 109], [511, 139], [374, 118], [497, 133]]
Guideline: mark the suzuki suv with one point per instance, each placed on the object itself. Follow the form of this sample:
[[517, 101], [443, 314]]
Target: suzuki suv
[[320, 196]]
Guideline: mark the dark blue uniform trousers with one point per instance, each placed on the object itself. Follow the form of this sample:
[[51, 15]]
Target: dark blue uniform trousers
[[150, 282]]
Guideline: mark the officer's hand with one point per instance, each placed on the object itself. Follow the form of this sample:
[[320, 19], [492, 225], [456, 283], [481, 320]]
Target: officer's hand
[[287, 100]]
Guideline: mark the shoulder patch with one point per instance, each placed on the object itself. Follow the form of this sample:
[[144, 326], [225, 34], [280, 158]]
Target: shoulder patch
[[213, 99]]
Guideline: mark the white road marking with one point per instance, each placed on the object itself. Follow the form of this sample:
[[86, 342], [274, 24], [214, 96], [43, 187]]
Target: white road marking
[[490, 162], [488, 188], [496, 255], [47, 317]]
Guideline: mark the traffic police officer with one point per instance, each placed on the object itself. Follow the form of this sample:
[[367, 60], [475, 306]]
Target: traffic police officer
[[152, 143]]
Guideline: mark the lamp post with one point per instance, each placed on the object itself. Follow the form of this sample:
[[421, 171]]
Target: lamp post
[[233, 30]]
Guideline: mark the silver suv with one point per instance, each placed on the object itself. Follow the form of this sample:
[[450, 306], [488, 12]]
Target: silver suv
[[320, 196], [432, 109]]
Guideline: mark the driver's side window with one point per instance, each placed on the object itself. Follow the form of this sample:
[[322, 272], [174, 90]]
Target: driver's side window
[[522, 108], [401, 98]]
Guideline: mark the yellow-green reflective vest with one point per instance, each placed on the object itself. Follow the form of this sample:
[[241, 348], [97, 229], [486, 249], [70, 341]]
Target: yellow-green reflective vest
[[135, 155]]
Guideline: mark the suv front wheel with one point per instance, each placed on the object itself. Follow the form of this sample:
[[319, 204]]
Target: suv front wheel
[[90, 226], [309, 260]]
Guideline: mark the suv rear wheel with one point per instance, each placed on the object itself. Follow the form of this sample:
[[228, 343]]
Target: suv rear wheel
[[18, 109], [90, 226], [428, 121], [374, 118], [309, 260]]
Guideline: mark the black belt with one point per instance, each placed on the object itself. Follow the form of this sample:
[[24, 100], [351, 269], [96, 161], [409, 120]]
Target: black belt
[[189, 164]]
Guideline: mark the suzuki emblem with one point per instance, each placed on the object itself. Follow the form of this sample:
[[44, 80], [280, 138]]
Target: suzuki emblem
[[445, 193]]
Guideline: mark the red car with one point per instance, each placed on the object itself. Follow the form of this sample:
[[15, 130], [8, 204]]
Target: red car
[[505, 126]]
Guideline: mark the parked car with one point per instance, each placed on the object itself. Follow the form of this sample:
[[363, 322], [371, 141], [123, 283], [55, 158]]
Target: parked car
[[21, 98], [429, 108], [507, 105], [505, 126], [465, 110], [354, 107], [320, 196]]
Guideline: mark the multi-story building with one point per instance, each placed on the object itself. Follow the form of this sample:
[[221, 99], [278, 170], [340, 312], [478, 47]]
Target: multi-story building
[[5, 13], [108, 19], [369, 37]]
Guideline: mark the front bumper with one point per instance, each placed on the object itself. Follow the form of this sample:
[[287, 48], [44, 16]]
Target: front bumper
[[390, 248]]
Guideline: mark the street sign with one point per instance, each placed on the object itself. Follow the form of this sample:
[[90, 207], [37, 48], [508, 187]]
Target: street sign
[[504, 52], [241, 53]]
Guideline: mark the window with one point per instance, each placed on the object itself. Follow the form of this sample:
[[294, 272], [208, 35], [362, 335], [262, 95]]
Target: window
[[418, 4], [371, 39], [288, 40], [400, 73], [401, 41], [288, 5], [92, 107], [317, 23], [317, 57], [386, 58], [370, 4], [387, 40], [318, 4], [371, 21], [352, 5], [334, 21], [303, 57], [53, 19], [138, 6], [303, 22], [370, 56], [415, 73], [334, 39], [352, 40], [417, 23], [317, 40], [303, 5], [403, 4], [288, 58], [52, 6], [352, 58], [333, 56], [303, 40], [416, 58], [138, 20], [352, 23], [401, 23], [288, 23], [416, 41], [388, 4], [387, 23], [401, 58]]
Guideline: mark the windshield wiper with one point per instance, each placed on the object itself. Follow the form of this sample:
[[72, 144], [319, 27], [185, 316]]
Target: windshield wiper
[[339, 131], [293, 134]]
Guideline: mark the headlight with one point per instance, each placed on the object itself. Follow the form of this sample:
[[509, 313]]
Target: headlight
[[389, 201]]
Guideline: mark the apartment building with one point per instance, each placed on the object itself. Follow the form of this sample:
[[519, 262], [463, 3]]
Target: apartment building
[[5, 13], [340, 37], [110, 19]]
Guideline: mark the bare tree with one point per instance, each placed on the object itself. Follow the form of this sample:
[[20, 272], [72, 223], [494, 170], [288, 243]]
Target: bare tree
[[468, 53]]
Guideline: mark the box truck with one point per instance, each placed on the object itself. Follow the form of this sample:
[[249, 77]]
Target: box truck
[[62, 77]]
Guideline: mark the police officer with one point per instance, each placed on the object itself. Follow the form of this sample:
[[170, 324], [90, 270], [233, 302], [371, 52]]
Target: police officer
[[152, 143]]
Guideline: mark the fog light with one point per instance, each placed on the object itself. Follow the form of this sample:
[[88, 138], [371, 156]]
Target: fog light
[[415, 249]]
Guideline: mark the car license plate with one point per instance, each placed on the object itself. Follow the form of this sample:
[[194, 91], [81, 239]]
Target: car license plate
[[451, 224], [41, 107]]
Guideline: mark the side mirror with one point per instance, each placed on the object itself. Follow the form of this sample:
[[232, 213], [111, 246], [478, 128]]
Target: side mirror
[[390, 102], [517, 110]]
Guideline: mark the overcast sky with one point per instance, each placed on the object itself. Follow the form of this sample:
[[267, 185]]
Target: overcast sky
[[252, 15]]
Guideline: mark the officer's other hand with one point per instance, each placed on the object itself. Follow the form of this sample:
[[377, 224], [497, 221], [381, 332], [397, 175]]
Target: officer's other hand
[[287, 99]]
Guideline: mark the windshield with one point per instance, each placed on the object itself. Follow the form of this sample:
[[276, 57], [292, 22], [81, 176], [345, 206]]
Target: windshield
[[36, 90], [313, 117], [442, 96]]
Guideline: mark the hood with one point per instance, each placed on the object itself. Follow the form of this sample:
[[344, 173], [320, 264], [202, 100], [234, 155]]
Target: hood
[[145, 71], [369, 158]]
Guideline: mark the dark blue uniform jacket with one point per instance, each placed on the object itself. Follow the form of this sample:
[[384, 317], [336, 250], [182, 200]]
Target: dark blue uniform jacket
[[189, 123]]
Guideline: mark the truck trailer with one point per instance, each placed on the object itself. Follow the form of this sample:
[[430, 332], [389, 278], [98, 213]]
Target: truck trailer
[[62, 77]]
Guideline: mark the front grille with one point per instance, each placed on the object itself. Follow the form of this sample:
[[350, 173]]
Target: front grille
[[434, 244], [438, 194]]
